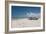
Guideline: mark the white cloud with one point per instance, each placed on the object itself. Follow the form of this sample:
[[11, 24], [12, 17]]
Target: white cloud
[[33, 14]]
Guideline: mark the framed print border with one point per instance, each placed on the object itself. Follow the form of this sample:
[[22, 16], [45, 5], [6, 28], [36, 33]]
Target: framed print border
[[7, 16]]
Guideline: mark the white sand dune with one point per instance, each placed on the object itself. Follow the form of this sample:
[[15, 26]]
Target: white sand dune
[[25, 23]]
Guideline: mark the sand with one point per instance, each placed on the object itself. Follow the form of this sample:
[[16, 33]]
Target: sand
[[22, 23]]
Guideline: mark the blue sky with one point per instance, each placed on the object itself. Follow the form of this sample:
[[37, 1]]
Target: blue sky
[[22, 11]]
